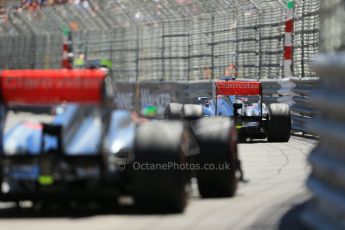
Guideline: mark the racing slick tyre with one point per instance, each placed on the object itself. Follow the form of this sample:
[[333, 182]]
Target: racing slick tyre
[[1, 180], [279, 124], [173, 111], [217, 139], [192, 112], [242, 138], [160, 147]]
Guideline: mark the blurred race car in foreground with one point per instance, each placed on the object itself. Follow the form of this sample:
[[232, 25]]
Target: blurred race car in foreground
[[242, 101], [92, 152]]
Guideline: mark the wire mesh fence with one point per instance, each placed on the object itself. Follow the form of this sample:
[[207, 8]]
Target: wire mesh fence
[[165, 40], [332, 25], [306, 36]]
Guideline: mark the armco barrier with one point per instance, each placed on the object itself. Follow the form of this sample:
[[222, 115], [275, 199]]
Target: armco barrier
[[125, 95], [302, 109], [189, 92], [159, 94], [278, 91], [327, 180], [135, 96]]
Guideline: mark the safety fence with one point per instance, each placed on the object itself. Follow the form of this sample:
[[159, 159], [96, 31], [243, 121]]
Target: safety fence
[[31, 51], [306, 37], [166, 40]]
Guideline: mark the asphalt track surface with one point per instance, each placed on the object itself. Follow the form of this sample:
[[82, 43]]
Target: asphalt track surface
[[276, 186]]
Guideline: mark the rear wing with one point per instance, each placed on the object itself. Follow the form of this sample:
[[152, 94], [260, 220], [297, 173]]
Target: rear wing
[[47, 87], [242, 88], [237, 88]]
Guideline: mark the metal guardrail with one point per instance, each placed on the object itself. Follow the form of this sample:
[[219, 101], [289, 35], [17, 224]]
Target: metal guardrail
[[135, 96], [278, 91], [302, 110], [327, 180]]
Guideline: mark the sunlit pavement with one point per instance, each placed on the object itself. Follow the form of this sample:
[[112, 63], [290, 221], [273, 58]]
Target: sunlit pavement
[[276, 174]]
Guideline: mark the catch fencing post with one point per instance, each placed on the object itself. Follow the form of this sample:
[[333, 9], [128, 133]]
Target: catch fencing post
[[288, 49], [67, 56]]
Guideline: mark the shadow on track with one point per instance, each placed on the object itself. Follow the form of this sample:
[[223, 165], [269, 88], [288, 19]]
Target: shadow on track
[[291, 219], [84, 211]]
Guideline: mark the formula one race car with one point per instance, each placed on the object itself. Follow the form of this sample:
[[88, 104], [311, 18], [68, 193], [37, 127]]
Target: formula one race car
[[242, 101], [92, 152]]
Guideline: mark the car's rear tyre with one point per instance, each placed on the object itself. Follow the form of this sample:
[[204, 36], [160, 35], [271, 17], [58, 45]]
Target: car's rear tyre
[[51, 206], [217, 138], [1, 181], [156, 188], [192, 112], [241, 136], [279, 124], [173, 111]]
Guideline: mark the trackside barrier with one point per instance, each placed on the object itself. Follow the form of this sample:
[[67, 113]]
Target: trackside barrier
[[189, 92], [327, 180], [159, 94], [135, 96], [278, 91], [125, 95], [302, 110]]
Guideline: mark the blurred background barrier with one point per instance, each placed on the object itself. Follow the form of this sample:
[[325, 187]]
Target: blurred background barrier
[[327, 180], [327, 209], [302, 109]]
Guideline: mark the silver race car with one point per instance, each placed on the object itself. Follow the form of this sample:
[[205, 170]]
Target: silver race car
[[92, 152]]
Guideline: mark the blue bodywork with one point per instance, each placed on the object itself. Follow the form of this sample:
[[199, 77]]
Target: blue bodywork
[[81, 137], [224, 107], [246, 111]]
